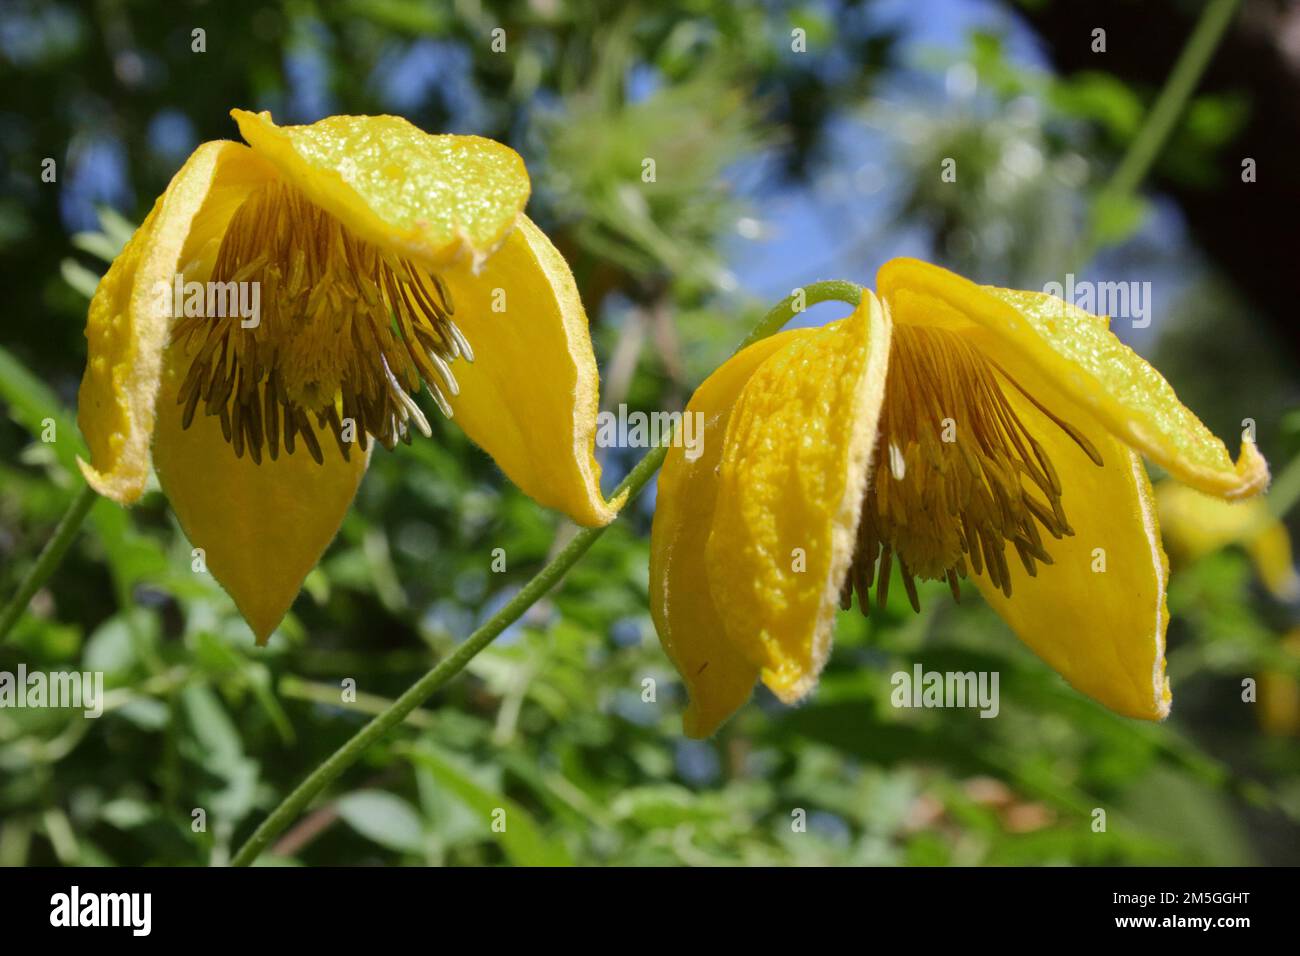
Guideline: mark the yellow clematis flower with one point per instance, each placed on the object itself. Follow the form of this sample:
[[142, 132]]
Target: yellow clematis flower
[[1279, 694], [1196, 525], [941, 424], [379, 258]]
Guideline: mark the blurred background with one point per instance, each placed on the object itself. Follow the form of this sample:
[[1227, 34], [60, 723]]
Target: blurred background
[[792, 142]]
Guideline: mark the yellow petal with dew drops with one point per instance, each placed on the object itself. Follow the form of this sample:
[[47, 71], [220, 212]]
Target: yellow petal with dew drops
[[1196, 525], [691, 627], [1097, 613], [530, 396], [1076, 351], [790, 490], [129, 321], [262, 527], [433, 198]]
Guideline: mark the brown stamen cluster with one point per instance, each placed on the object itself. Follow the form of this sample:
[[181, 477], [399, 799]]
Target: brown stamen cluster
[[956, 476], [346, 334]]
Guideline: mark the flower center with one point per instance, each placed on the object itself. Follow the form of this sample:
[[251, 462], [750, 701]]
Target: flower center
[[345, 333], [956, 475]]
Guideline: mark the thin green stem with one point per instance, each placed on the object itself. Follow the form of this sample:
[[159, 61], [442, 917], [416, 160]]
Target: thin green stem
[[545, 579], [1178, 89], [48, 559], [1169, 105], [829, 290]]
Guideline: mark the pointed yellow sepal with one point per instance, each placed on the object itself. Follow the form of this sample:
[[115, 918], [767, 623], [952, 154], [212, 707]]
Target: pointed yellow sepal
[[751, 539], [531, 396], [261, 528], [129, 323], [434, 198], [1082, 358]]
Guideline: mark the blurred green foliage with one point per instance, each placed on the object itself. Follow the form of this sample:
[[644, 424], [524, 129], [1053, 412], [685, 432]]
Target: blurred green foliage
[[555, 724]]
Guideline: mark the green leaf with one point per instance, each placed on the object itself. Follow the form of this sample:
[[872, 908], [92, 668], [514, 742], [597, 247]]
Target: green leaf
[[522, 840], [212, 727], [663, 806], [31, 402], [110, 648], [116, 227], [384, 819], [1116, 217], [126, 813], [97, 244], [83, 280], [216, 747]]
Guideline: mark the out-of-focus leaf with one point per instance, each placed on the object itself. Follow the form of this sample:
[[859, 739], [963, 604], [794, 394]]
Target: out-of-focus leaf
[[125, 814], [521, 839], [110, 648], [384, 819], [664, 806], [83, 280], [1102, 98], [1117, 216], [117, 229], [31, 403], [97, 244], [215, 745]]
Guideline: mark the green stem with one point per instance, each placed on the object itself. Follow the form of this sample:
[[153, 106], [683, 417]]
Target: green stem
[[829, 290], [545, 579], [1182, 82], [1178, 89], [48, 559]]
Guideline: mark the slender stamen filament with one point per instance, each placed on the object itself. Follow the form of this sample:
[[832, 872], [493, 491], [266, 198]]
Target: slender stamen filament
[[346, 334], [957, 476]]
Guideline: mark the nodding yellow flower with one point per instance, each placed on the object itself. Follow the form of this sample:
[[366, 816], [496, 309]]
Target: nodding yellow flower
[[1196, 525], [282, 303], [959, 431]]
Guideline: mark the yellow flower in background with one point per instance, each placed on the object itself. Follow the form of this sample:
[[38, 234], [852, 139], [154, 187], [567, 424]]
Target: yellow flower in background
[[956, 430], [376, 259], [1196, 525], [1279, 693]]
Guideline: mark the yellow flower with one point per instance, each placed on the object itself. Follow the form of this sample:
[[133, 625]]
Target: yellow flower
[[1279, 693], [1196, 525], [960, 430], [367, 258]]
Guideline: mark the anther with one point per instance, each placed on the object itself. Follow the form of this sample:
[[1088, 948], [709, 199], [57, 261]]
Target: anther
[[347, 333], [945, 505]]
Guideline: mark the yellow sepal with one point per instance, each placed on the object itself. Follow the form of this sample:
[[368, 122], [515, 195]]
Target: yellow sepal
[[261, 527], [691, 627], [130, 314], [531, 395], [1097, 614], [790, 487], [434, 198], [1075, 351]]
